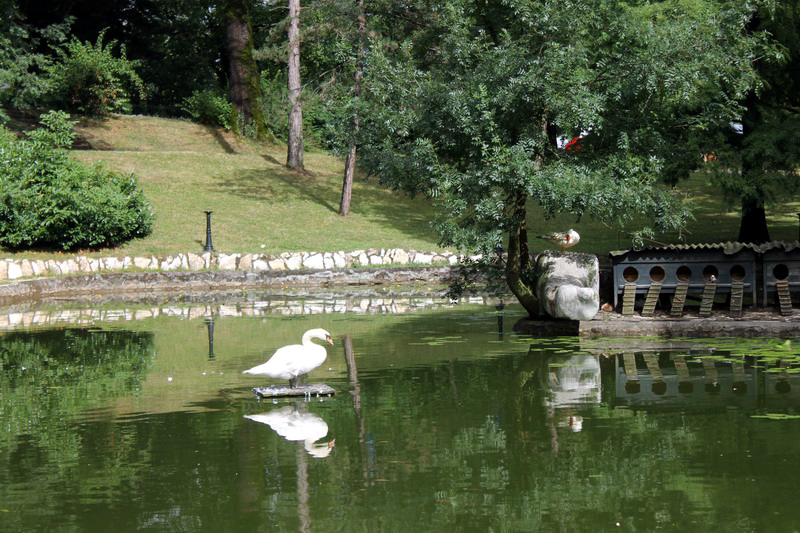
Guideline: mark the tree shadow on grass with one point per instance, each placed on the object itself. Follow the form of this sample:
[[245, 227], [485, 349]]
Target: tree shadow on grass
[[380, 206], [221, 140], [288, 185]]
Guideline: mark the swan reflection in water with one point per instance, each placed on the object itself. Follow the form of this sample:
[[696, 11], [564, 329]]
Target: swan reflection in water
[[294, 425]]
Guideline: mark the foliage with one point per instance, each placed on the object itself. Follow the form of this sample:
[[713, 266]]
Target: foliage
[[49, 200], [757, 163], [21, 84], [476, 128], [276, 108], [90, 79], [210, 107]]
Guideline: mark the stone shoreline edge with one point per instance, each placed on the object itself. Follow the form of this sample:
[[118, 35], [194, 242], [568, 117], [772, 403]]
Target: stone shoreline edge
[[11, 269], [30, 280]]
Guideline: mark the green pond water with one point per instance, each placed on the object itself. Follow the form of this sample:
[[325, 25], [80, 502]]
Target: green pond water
[[138, 418]]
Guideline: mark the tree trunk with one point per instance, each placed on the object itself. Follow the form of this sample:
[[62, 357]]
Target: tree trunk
[[349, 171], [245, 90], [350, 163], [516, 262], [294, 157], [753, 227]]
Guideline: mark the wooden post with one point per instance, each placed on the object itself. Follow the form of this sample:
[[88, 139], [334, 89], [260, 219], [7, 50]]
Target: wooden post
[[679, 299], [651, 300], [628, 299], [737, 295], [784, 297], [709, 291]]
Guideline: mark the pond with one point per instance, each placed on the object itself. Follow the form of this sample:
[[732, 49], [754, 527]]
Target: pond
[[138, 418]]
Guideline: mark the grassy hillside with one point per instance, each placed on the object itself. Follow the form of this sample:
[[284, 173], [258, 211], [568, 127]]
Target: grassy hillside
[[258, 204], [261, 206]]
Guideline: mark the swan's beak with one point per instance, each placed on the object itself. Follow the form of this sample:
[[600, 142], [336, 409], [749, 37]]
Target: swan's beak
[[332, 443], [328, 338]]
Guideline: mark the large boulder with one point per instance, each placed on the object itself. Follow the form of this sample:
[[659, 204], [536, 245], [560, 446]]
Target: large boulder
[[567, 285]]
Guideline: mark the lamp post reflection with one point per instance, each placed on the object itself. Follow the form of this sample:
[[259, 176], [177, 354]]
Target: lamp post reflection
[[210, 326]]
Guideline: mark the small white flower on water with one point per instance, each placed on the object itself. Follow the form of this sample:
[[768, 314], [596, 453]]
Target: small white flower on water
[[169, 379]]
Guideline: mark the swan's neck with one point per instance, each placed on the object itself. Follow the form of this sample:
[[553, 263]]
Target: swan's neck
[[307, 340]]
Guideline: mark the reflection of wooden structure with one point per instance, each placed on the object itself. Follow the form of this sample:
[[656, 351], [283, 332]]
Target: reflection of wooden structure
[[680, 271], [653, 380], [662, 380]]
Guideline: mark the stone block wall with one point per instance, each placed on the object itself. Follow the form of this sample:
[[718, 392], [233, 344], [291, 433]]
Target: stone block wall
[[11, 269]]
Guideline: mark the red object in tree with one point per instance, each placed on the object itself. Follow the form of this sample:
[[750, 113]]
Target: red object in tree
[[574, 144]]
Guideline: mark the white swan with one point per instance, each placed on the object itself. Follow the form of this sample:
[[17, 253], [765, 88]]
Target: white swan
[[295, 360], [291, 424]]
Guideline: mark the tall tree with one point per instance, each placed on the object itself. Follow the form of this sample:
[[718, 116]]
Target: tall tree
[[477, 128], [294, 157], [244, 86], [350, 161], [758, 163]]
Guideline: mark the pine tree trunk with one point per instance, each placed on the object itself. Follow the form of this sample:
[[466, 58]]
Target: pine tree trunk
[[294, 157], [244, 90], [347, 186], [350, 162]]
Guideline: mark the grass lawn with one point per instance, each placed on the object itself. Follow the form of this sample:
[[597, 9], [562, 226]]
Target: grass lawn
[[261, 206]]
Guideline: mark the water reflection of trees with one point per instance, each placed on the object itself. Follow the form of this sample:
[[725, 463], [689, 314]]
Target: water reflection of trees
[[47, 380], [498, 452], [49, 377]]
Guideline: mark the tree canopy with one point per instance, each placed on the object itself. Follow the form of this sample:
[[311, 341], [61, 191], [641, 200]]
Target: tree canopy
[[477, 127], [763, 148]]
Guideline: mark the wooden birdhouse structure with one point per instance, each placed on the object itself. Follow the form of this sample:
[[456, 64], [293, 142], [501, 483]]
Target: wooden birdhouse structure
[[780, 273], [701, 270]]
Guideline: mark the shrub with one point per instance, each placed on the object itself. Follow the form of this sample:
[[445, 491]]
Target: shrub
[[50, 201], [87, 78], [210, 107]]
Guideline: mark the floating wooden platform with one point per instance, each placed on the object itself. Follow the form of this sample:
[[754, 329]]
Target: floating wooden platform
[[313, 390]]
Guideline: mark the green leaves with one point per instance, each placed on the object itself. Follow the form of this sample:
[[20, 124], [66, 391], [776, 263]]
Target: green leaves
[[475, 121], [90, 79], [49, 200]]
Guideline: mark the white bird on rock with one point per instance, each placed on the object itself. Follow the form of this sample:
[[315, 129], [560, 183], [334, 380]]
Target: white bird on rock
[[294, 360], [562, 239]]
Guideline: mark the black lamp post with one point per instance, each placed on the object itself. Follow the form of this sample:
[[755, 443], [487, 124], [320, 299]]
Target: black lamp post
[[209, 247]]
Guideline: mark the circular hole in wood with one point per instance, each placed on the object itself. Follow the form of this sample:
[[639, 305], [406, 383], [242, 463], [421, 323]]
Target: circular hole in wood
[[710, 272], [780, 271], [630, 274], [684, 273], [657, 273], [737, 272]]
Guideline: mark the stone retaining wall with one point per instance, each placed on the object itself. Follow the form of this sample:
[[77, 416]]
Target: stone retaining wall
[[11, 269]]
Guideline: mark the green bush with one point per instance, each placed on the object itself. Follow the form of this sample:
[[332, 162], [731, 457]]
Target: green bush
[[50, 201], [87, 78], [210, 107]]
